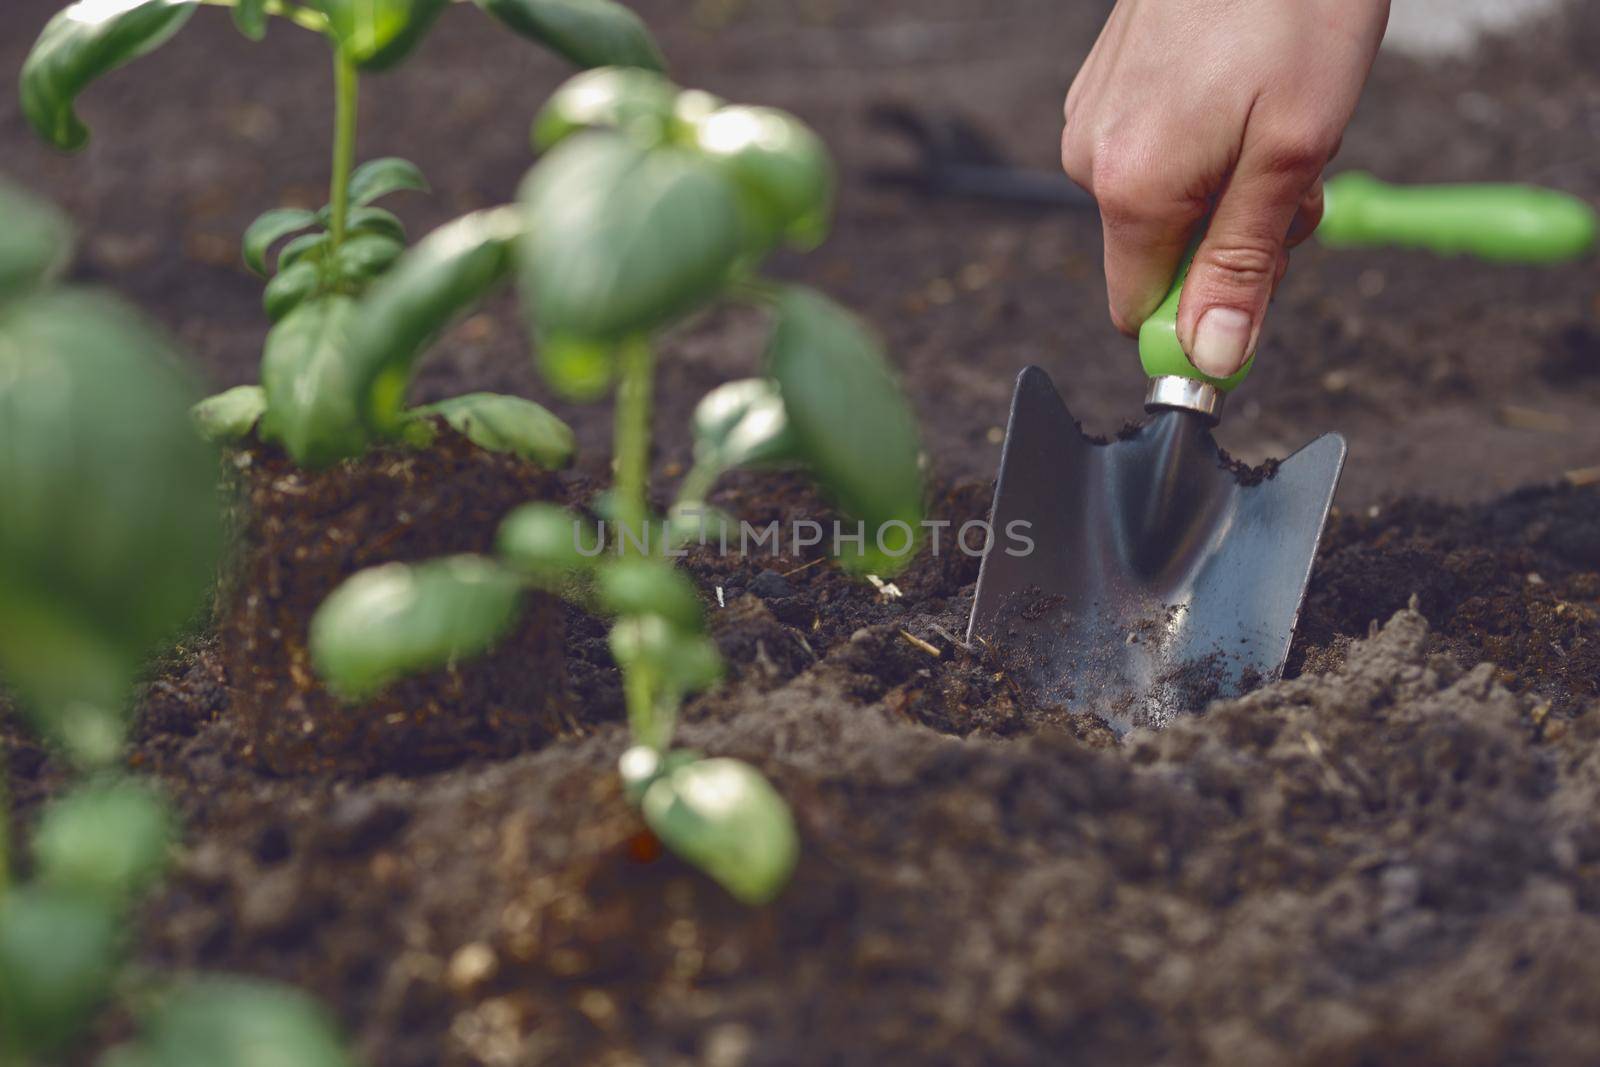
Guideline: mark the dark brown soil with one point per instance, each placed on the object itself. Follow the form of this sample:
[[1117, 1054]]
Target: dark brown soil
[[299, 534], [1390, 857]]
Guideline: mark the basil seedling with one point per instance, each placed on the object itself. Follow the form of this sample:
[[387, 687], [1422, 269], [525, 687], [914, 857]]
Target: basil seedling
[[315, 397], [650, 204], [110, 538]]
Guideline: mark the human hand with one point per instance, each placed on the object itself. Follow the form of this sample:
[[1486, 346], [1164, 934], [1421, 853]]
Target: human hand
[[1226, 107]]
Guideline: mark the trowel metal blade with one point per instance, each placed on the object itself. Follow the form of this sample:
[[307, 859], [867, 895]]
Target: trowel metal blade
[[1143, 577]]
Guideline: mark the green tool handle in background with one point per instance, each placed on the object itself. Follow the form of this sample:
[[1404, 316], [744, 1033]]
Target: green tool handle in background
[[1501, 223]]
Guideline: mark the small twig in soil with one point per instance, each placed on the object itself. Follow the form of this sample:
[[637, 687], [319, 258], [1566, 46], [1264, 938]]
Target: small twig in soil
[[1582, 476], [1522, 418], [803, 567], [916, 642], [948, 636]]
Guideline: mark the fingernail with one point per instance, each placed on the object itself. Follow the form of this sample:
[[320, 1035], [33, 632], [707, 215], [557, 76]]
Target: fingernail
[[1221, 341]]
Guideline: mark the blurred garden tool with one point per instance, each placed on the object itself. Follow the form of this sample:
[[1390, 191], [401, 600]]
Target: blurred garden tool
[[954, 158], [1160, 575]]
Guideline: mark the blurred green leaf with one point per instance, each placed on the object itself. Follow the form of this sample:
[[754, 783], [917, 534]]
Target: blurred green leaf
[[107, 840], [725, 818], [855, 429], [376, 220], [235, 1023], [58, 952], [365, 256], [389, 621], [642, 766], [637, 586], [380, 177], [310, 385], [638, 102], [622, 240], [681, 660], [291, 287], [547, 543], [112, 525], [781, 168], [250, 16], [407, 308], [508, 424], [309, 248], [590, 33], [35, 243], [376, 34], [744, 424], [82, 42], [231, 414], [271, 227]]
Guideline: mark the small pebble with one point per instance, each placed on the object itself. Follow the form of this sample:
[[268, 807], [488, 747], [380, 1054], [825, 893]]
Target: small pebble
[[470, 967], [770, 585]]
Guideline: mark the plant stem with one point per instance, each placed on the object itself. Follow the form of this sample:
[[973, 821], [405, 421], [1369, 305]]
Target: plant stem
[[698, 482], [638, 690], [632, 445], [344, 144]]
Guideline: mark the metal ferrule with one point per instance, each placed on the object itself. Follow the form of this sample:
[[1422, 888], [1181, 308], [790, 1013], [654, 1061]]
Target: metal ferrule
[[1186, 394]]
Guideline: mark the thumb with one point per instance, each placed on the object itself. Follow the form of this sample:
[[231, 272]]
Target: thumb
[[1237, 264]]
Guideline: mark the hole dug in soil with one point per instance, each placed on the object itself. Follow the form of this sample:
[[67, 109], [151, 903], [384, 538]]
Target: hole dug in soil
[[299, 534]]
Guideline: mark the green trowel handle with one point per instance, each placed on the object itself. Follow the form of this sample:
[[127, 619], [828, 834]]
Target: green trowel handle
[[1505, 223], [1159, 349]]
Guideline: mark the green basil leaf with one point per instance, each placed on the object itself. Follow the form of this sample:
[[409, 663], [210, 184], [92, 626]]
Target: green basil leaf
[[271, 227], [380, 177], [376, 220], [82, 42], [108, 840], [590, 33], [725, 818], [680, 660], [36, 243], [250, 16], [365, 256], [377, 34], [397, 619], [547, 543], [408, 307], [231, 414], [292, 287], [854, 427], [311, 388], [311, 247], [744, 424], [112, 526], [639, 102], [642, 766], [781, 168], [230, 1022], [509, 424], [58, 952], [651, 587], [622, 240]]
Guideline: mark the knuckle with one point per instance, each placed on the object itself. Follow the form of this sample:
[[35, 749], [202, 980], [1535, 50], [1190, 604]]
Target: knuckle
[[1297, 154], [1241, 263]]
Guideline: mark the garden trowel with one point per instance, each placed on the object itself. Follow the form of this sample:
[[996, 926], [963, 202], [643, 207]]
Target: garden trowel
[[1145, 576]]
